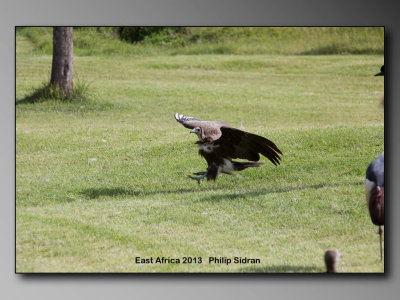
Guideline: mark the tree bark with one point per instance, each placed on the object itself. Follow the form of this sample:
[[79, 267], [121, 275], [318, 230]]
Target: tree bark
[[62, 69]]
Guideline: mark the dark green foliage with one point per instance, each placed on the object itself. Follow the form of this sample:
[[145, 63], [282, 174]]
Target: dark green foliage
[[136, 34]]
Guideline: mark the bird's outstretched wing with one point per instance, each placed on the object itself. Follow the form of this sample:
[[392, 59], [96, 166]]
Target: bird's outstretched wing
[[210, 130], [188, 122], [236, 143]]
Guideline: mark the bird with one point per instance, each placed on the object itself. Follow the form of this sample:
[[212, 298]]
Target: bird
[[382, 72], [375, 187], [219, 143], [331, 259], [375, 193]]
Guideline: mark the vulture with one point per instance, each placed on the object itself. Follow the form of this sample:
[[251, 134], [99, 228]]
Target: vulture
[[219, 143], [331, 259], [375, 193]]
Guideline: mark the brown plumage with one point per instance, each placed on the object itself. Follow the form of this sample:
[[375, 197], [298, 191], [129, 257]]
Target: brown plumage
[[331, 259], [219, 143]]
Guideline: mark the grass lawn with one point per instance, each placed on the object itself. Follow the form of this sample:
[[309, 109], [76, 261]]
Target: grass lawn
[[100, 183]]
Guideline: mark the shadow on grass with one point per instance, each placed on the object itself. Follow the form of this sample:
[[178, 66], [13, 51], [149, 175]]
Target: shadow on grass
[[35, 96], [232, 196], [282, 269], [81, 99], [94, 193]]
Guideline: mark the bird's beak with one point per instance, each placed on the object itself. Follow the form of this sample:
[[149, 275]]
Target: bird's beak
[[192, 131]]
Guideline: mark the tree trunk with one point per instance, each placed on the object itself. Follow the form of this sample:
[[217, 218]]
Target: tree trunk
[[62, 69]]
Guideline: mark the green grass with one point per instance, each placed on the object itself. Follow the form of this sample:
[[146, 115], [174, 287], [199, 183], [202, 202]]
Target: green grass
[[103, 181]]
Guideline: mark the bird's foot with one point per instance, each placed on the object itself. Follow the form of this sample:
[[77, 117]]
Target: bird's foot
[[197, 178], [200, 173]]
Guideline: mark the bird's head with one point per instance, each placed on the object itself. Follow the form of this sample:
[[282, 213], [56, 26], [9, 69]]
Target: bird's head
[[382, 72], [197, 130], [331, 258]]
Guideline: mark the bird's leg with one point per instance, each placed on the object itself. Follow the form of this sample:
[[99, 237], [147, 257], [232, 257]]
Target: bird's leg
[[380, 237], [197, 178]]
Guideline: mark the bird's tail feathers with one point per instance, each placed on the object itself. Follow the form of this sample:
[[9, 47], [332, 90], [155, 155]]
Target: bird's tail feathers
[[239, 166]]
